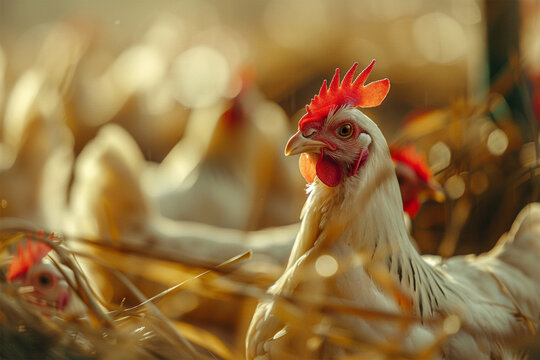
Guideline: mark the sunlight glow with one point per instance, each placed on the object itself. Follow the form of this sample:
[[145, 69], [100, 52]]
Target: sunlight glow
[[201, 77], [326, 265]]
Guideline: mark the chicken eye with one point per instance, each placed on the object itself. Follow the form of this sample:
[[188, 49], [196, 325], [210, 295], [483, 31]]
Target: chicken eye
[[45, 280], [309, 133], [345, 130]]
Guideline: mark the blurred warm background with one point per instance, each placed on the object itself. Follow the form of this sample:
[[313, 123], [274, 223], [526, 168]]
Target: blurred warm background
[[149, 137]]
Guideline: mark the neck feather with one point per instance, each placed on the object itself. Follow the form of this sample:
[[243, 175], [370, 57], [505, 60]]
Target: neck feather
[[367, 213]]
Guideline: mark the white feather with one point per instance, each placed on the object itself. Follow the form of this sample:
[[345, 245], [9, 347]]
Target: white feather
[[362, 218]]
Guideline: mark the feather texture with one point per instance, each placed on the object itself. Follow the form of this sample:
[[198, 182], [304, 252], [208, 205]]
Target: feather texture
[[360, 224]]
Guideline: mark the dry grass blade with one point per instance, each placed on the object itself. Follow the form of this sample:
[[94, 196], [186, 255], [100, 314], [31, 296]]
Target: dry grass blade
[[171, 330], [152, 334], [120, 246], [177, 287], [204, 339], [172, 327]]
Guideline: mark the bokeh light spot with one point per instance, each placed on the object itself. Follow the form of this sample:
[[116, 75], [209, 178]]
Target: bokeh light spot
[[326, 265], [201, 77], [439, 156], [455, 187], [139, 68], [527, 154], [313, 343], [497, 142], [451, 324], [439, 38]]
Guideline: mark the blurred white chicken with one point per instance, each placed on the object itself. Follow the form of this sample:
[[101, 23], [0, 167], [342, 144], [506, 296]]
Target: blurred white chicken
[[353, 249], [112, 87], [227, 169], [36, 154], [107, 202]]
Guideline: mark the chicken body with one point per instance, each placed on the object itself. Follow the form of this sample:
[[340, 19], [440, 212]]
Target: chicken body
[[226, 171], [37, 153], [356, 218], [108, 202]]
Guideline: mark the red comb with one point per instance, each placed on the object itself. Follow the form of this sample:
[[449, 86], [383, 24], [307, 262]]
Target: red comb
[[26, 258], [409, 156], [351, 93]]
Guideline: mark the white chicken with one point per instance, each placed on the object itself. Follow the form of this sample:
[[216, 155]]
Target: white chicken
[[352, 223], [36, 152], [41, 283], [107, 202], [226, 170]]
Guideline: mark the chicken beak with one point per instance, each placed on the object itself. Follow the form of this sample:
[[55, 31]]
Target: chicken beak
[[434, 191], [298, 144]]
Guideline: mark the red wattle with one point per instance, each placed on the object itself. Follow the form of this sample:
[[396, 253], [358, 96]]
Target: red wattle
[[328, 170], [62, 301], [360, 161], [412, 206]]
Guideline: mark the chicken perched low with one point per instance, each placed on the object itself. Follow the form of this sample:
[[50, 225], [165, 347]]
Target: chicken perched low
[[352, 220], [42, 284]]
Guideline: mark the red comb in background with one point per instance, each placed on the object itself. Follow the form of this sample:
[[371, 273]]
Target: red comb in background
[[235, 115], [27, 257], [351, 93], [409, 155]]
